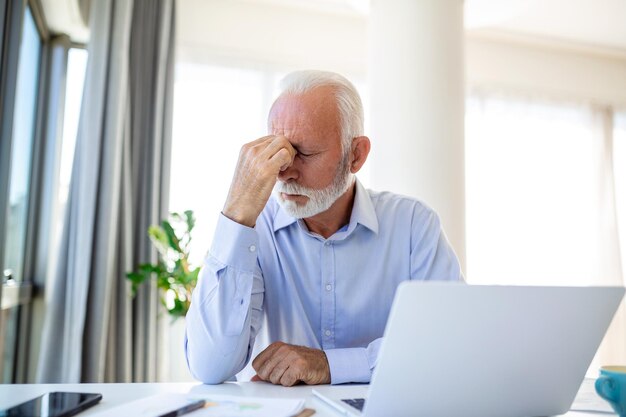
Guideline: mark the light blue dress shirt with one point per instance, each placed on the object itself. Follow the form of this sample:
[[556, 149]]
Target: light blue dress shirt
[[332, 294]]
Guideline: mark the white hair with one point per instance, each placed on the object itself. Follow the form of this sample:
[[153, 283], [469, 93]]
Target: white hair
[[347, 97]]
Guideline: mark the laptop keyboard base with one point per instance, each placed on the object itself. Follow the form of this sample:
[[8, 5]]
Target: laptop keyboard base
[[357, 403]]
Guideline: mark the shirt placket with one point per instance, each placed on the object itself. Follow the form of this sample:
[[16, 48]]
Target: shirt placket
[[328, 295]]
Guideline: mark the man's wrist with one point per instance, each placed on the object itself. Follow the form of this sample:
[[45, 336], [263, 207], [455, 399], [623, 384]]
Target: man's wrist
[[348, 365], [234, 244], [327, 378], [245, 219]]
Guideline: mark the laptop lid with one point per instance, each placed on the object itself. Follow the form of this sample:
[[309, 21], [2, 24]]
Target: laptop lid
[[506, 351]]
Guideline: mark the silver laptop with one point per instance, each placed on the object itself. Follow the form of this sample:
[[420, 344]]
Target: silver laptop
[[480, 351]]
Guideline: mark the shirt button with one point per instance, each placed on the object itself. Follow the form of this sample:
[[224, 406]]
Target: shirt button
[[327, 332], [327, 243], [252, 248], [329, 287]]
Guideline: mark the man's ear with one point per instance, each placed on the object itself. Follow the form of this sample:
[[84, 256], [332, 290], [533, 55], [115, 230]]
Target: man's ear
[[360, 150]]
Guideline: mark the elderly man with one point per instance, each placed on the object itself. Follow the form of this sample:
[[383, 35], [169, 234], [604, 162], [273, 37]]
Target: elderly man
[[311, 270]]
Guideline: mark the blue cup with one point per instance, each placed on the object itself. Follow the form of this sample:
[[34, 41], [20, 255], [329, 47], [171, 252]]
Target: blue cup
[[611, 385]]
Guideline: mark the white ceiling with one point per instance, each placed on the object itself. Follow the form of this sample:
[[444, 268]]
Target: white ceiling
[[590, 22], [600, 23], [595, 23]]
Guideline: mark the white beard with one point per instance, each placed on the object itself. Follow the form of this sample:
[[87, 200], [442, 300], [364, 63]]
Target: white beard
[[319, 200]]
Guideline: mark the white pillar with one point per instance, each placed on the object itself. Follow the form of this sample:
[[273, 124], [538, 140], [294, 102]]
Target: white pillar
[[417, 106]]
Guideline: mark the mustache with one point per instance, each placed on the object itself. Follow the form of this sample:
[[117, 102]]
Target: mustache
[[292, 188]]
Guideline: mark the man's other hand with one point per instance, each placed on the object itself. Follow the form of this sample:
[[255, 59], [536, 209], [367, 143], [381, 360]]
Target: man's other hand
[[284, 364], [258, 167]]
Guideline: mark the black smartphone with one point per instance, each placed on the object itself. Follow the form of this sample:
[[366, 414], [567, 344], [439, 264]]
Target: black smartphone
[[53, 404]]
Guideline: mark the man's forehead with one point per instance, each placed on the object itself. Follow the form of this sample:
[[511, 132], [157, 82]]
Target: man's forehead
[[302, 132], [297, 140], [315, 108], [315, 101]]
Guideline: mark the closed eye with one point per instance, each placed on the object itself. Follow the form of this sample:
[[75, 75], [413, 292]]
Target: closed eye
[[309, 153]]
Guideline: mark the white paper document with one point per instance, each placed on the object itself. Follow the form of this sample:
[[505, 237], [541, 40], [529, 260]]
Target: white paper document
[[589, 401], [216, 406]]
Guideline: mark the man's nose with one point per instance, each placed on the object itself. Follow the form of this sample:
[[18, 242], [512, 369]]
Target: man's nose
[[289, 174]]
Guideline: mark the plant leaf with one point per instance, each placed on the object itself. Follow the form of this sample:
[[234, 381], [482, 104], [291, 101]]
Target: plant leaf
[[192, 276], [173, 240], [150, 269], [159, 238], [191, 220], [178, 309], [174, 276]]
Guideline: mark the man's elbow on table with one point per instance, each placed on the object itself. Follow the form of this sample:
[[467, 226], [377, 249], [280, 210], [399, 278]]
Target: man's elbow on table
[[209, 371], [210, 376], [208, 368]]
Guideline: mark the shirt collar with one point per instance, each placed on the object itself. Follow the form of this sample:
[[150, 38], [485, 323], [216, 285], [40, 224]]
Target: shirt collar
[[282, 219], [363, 210], [362, 213]]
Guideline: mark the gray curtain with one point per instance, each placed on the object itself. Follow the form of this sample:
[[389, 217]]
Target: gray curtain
[[94, 331]]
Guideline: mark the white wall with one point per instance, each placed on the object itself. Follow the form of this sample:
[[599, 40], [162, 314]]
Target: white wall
[[551, 69], [248, 33]]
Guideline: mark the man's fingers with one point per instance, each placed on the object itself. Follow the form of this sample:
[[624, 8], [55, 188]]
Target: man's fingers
[[264, 356], [257, 171], [278, 371], [267, 146], [278, 145], [288, 365], [281, 160], [289, 378], [270, 155], [263, 148], [256, 378], [276, 364], [259, 141]]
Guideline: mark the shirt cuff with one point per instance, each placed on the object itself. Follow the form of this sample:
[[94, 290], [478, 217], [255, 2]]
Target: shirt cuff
[[348, 365], [235, 245]]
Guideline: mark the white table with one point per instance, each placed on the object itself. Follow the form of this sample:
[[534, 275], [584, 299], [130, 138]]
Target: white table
[[116, 394]]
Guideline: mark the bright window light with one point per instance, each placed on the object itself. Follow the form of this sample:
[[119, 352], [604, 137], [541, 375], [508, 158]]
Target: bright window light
[[531, 202], [216, 111], [619, 167], [76, 67]]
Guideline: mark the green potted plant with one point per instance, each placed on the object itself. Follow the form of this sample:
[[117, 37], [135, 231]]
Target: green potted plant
[[174, 275]]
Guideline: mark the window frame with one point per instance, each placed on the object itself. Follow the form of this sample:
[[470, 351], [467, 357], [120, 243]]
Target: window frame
[[31, 285], [12, 25], [11, 37]]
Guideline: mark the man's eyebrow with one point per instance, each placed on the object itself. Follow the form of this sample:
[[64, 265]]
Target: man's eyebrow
[[304, 149]]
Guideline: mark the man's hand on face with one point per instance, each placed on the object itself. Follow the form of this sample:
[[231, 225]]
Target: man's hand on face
[[284, 364], [258, 167]]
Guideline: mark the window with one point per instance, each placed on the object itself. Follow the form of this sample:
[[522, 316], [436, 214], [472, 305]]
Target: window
[[24, 103], [541, 207], [31, 89], [532, 205], [216, 110], [22, 145], [76, 67]]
